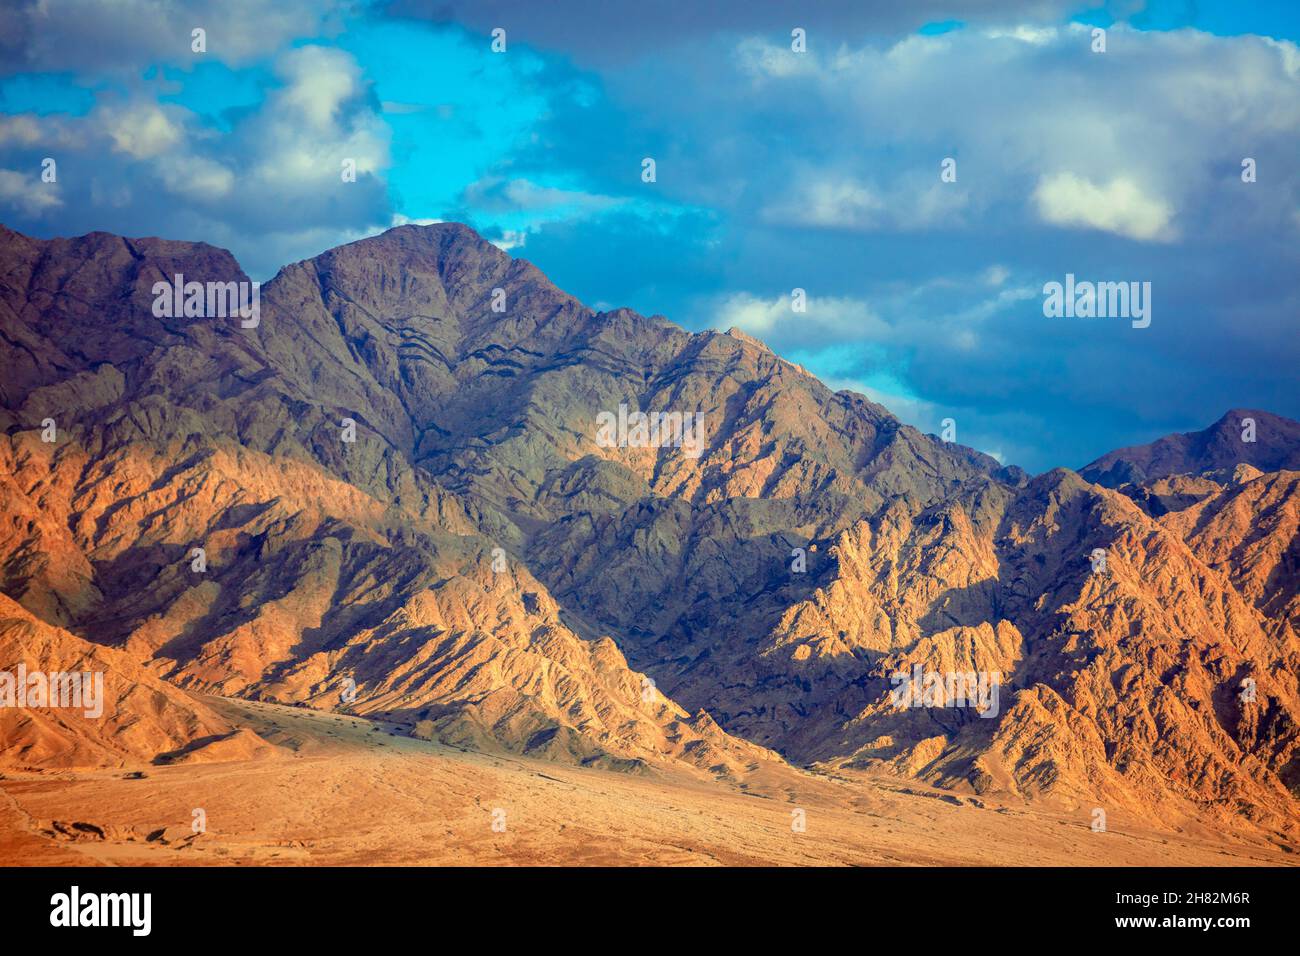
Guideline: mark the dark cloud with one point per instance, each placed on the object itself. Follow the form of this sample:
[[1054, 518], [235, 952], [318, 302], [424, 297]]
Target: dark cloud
[[823, 172], [775, 171], [90, 37], [604, 33]]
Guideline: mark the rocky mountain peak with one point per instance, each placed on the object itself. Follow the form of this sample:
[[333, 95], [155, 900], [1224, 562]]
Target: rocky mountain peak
[[428, 477]]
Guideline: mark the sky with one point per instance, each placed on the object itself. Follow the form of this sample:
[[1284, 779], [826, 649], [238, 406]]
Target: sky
[[775, 169]]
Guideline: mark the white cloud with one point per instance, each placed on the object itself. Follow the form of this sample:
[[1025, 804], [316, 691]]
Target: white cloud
[[828, 203], [1037, 36], [949, 319], [28, 193], [316, 120], [1150, 131], [400, 220], [1289, 52], [1120, 206], [908, 408], [141, 130], [750, 313], [318, 81], [511, 239], [761, 59], [270, 188], [834, 317], [196, 177], [498, 194], [996, 275], [23, 128]]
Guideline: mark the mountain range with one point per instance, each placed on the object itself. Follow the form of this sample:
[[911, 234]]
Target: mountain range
[[389, 498]]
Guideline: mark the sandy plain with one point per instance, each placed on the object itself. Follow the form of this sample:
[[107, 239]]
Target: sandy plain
[[347, 791]]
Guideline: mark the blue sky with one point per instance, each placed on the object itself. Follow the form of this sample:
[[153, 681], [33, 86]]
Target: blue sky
[[776, 170]]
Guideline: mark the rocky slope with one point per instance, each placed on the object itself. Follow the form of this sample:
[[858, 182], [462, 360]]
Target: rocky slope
[[125, 716], [479, 566], [1242, 436], [323, 561]]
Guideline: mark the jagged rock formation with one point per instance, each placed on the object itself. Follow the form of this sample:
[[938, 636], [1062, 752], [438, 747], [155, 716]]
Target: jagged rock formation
[[129, 717], [325, 561], [478, 562]]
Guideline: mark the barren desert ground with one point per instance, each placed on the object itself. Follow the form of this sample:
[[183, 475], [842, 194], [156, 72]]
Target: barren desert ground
[[346, 792]]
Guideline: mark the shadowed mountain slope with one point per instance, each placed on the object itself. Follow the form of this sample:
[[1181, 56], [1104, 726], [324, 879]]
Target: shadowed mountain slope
[[480, 566], [1242, 436]]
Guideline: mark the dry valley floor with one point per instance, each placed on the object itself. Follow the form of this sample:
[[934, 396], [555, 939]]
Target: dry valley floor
[[344, 791]]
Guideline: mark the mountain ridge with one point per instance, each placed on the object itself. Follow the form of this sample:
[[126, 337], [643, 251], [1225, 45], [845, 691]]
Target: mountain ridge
[[487, 572]]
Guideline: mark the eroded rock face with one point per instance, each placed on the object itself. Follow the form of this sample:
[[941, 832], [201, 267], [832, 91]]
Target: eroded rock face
[[116, 714], [323, 561], [481, 567]]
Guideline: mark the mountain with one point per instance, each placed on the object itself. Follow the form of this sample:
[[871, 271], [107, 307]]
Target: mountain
[[132, 716], [325, 561], [481, 566], [1242, 436]]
